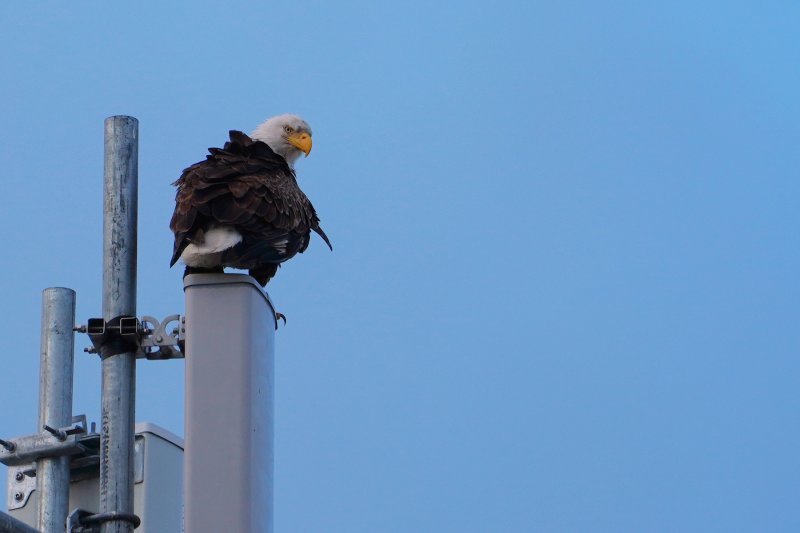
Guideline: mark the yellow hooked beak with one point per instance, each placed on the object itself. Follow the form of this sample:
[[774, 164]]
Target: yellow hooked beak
[[301, 141]]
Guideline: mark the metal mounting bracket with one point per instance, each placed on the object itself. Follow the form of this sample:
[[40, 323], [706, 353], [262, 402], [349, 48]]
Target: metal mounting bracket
[[148, 337], [159, 342], [75, 522], [52, 442], [22, 486]]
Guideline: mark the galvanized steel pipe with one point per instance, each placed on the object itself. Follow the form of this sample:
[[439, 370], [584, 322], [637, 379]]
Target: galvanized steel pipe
[[55, 403], [120, 204], [9, 524]]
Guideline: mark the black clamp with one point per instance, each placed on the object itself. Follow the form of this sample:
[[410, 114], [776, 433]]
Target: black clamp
[[147, 337], [121, 334], [81, 521]]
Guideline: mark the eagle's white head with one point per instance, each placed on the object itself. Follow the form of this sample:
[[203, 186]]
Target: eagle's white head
[[288, 136]]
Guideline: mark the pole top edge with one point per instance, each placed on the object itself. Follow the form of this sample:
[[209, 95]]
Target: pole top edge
[[121, 117], [58, 289], [198, 280]]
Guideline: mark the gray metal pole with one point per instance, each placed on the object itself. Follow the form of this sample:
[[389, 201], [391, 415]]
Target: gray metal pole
[[55, 403], [9, 524], [120, 204], [228, 458]]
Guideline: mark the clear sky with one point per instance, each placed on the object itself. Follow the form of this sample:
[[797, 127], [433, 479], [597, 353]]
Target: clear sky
[[566, 233]]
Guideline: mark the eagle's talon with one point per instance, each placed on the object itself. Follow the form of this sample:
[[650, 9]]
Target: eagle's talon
[[279, 316]]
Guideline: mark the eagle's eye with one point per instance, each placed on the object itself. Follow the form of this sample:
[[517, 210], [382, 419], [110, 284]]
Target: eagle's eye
[[288, 129]]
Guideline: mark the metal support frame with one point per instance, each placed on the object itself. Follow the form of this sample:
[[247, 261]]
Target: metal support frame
[[120, 205], [55, 403], [9, 524], [46, 455]]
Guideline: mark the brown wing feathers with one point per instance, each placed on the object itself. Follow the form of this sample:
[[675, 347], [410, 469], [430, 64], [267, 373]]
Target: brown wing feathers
[[246, 185]]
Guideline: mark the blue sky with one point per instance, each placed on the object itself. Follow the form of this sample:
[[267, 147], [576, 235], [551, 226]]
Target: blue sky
[[565, 235]]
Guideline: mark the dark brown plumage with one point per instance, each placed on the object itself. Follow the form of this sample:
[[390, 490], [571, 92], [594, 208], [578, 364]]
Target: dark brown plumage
[[246, 186]]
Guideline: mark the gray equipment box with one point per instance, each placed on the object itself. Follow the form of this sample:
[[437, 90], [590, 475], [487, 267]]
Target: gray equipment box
[[158, 481]]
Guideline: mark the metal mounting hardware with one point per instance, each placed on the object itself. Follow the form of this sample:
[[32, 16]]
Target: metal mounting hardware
[[121, 334], [75, 522], [60, 434], [22, 486], [159, 342], [52, 443], [148, 337], [83, 521], [33, 447], [81, 426]]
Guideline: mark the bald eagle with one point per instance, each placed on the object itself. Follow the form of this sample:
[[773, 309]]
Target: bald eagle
[[242, 207]]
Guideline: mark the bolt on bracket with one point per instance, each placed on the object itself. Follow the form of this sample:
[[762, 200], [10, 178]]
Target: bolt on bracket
[[52, 442], [20, 489]]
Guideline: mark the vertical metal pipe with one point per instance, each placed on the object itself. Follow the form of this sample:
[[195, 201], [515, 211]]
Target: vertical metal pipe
[[55, 403], [120, 203]]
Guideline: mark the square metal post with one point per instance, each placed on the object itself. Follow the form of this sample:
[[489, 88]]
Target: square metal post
[[230, 346]]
